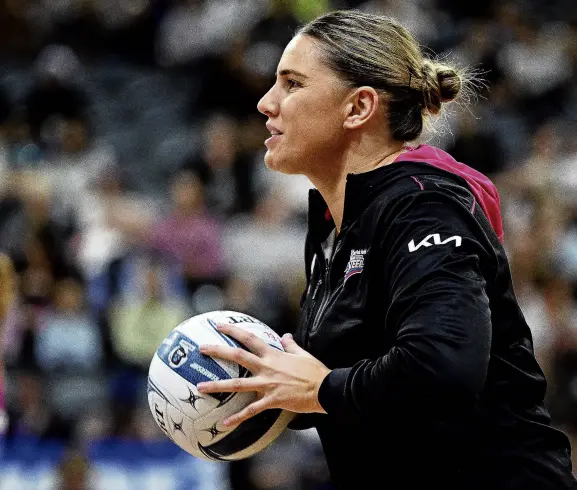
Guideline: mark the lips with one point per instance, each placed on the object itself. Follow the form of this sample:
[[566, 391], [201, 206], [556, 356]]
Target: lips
[[274, 131], [274, 138]]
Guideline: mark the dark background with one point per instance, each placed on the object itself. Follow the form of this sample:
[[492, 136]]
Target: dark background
[[133, 194]]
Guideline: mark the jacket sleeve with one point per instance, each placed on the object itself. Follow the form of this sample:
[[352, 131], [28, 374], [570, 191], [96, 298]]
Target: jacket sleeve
[[438, 313]]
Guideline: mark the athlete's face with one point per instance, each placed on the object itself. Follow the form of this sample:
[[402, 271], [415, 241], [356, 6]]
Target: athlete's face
[[305, 109]]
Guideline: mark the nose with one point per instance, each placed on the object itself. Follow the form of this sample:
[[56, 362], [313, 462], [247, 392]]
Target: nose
[[267, 105]]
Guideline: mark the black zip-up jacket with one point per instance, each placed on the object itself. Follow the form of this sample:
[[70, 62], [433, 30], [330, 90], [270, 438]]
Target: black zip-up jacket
[[434, 382]]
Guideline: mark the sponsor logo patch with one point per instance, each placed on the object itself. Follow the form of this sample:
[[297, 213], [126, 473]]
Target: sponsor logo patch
[[356, 263], [436, 241]]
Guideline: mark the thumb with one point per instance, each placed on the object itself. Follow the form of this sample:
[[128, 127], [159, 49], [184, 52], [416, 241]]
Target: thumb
[[291, 346]]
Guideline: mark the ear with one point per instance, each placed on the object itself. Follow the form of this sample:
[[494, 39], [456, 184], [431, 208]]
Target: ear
[[362, 105]]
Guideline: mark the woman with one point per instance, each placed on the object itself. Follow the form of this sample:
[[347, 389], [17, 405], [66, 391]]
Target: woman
[[412, 353], [7, 293]]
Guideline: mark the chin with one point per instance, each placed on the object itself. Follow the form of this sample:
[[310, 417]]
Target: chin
[[268, 160], [273, 162]]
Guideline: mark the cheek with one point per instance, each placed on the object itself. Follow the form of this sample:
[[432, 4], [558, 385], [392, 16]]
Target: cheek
[[315, 126], [312, 134]]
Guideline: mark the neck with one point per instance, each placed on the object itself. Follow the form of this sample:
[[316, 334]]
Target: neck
[[331, 183]]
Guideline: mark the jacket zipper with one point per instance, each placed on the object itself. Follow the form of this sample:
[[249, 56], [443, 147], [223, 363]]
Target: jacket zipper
[[325, 283], [312, 312]]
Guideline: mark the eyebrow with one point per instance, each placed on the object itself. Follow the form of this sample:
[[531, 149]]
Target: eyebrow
[[288, 71]]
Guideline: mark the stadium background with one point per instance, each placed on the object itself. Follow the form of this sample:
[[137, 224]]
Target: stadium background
[[133, 195]]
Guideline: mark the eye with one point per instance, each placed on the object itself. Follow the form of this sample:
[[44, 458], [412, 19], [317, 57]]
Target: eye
[[292, 83]]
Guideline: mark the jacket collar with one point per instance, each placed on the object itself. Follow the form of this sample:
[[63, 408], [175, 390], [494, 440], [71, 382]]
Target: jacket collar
[[320, 221], [359, 193]]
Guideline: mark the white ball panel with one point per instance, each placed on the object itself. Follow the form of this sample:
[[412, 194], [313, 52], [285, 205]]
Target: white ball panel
[[157, 406], [272, 434], [203, 425], [242, 320], [181, 429], [180, 393], [183, 433]]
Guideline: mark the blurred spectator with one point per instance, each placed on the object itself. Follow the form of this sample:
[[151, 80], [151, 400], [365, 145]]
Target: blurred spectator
[[273, 468], [538, 66], [478, 50], [419, 16], [270, 301], [563, 361], [73, 163], [480, 149], [464, 11], [226, 171], [272, 232], [241, 68], [74, 472], [139, 320], [46, 243], [566, 168], [54, 93], [68, 335], [17, 33], [31, 415], [19, 336], [190, 234], [502, 118], [194, 28], [261, 282], [276, 29], [5, 110], [7, 297], [13, 221], [539, 173], [129, 27], [109, 215], [23, 152]]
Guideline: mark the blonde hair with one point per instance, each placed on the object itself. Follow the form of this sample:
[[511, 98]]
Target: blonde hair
[[377, 51]]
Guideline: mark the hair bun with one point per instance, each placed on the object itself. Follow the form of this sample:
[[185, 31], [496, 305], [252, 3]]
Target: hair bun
[[441, 84]]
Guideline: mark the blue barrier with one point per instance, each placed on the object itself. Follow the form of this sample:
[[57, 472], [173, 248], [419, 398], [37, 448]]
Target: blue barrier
[[27, 464]]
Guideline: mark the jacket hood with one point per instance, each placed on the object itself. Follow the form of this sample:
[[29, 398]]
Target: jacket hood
[[481, 186], [363, 187]]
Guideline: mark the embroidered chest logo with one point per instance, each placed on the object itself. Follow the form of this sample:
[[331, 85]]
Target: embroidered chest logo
[[356, 263]]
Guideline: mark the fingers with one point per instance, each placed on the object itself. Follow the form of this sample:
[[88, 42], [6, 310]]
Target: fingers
[[233, 354], [248, 412], [291, 346], [248, 339], [230, 385]]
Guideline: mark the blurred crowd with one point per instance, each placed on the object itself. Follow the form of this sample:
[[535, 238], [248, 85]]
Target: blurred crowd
[[133, 192]]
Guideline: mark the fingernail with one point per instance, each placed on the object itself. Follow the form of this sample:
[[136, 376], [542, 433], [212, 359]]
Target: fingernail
[[226, 422], [200, 386]]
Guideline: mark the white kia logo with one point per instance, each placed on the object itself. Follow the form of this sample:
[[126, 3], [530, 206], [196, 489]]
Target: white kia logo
[[436, 241]]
